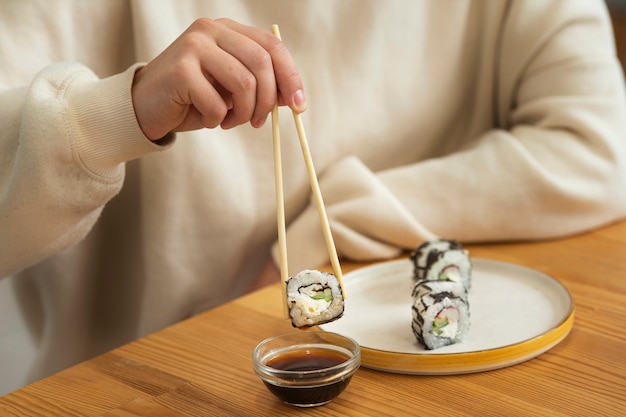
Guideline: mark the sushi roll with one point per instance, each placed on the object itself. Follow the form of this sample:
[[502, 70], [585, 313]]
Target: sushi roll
[[441, 313], [314, 297], [442, 260]]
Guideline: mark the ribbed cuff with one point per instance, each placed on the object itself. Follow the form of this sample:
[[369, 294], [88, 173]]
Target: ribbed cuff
[[105, 131]]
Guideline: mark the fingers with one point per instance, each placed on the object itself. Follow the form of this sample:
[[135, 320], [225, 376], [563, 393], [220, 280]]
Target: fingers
[[216, 73], [244, 70], [290, 86], [236, 87], [271, 69]]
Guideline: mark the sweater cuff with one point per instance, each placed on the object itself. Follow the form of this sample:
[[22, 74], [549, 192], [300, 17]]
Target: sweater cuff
[[105, 131]]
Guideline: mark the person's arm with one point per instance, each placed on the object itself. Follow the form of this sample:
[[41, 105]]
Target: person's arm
[[65, 138], [555, 165]]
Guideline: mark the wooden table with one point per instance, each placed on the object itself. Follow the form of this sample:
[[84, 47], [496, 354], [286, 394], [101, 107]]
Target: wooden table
[[203, 366]]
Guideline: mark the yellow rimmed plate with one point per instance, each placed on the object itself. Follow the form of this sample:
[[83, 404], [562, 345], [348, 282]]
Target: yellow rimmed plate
[[517, 313]]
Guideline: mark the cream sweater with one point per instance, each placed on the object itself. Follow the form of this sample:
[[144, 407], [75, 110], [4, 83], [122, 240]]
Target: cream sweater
[[472, 120]]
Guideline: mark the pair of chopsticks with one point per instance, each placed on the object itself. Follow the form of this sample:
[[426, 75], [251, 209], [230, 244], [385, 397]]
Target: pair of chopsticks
[[280, 203]]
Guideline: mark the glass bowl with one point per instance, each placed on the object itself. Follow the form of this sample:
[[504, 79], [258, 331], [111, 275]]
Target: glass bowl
[[306, 368]]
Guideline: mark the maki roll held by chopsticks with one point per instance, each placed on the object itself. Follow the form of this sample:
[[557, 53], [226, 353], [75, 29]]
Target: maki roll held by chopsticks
[[313, 298]]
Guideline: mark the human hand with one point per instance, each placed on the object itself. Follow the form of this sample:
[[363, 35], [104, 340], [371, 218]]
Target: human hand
[[216, 73]]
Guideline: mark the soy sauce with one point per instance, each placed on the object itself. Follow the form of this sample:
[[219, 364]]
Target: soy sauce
[[309, 359]]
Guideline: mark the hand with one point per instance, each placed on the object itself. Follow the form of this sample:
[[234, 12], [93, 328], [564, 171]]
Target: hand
[[217, 73]]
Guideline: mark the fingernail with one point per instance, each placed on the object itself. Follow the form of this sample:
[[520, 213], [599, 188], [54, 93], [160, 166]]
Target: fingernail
[[259, 122], [299, 100]]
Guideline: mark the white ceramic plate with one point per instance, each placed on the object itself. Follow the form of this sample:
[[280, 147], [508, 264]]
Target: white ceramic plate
[[517, 313]]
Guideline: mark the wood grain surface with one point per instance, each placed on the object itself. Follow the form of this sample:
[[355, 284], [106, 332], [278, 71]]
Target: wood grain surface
[[203, 366]]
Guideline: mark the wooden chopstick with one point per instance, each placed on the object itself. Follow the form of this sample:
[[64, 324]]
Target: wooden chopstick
[[317, 194], [319, 203], [280, 209]]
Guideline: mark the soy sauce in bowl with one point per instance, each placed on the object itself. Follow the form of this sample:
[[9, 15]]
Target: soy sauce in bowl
[[307, 369]]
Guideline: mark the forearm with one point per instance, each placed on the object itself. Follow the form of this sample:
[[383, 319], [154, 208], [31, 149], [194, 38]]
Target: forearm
[[503, 189], [65, 139], [531, 183]]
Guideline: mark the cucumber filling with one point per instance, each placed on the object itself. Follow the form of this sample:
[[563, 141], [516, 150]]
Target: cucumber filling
[[326, 295], [313, 299], [450, 273], [446, 323]]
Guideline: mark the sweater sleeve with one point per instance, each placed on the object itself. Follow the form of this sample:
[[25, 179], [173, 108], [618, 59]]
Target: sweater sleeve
[[553, 164], [64, 140]]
